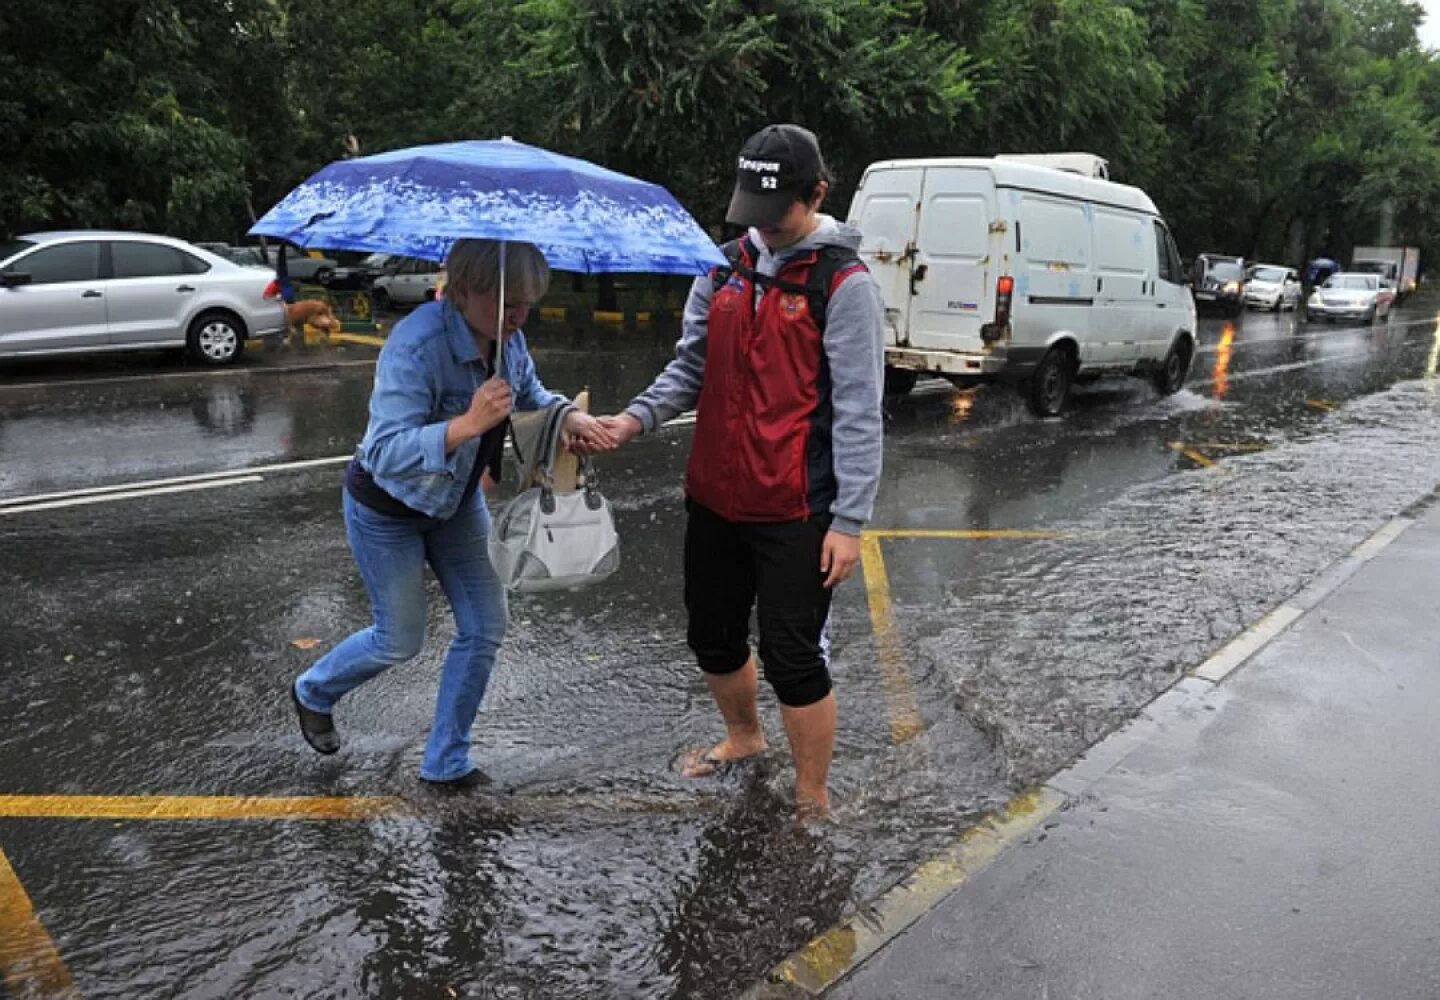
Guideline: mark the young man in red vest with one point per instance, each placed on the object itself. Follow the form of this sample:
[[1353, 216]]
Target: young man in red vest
[[782, 355]]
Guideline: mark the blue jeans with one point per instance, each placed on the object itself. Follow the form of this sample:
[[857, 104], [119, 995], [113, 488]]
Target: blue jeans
[[391, 553]]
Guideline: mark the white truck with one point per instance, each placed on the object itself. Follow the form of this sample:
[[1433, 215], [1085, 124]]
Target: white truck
[[1398, 265], [1033, 270]]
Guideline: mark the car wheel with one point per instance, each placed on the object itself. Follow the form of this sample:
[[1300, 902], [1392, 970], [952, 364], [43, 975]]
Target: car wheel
[[323, 276], [380, 300], [216, 338], [899, 382], [1170, 376], [1049, 387]]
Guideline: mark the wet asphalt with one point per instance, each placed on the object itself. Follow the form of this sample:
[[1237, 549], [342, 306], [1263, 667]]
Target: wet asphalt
[[147, 644]]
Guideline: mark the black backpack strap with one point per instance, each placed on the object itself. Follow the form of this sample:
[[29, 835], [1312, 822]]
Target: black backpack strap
[[829, 262]]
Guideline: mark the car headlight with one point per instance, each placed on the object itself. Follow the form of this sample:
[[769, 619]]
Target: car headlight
[[1232, 288]]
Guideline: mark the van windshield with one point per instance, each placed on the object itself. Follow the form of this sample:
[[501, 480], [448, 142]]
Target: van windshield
[[1226, 271]]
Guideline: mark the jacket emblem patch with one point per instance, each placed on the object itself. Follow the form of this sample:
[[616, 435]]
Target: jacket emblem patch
[[793, 305]]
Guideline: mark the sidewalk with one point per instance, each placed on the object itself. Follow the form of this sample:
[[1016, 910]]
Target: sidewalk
[[1274, 835]]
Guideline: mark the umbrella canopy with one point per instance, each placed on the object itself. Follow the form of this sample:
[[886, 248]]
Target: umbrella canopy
[[418, 201]]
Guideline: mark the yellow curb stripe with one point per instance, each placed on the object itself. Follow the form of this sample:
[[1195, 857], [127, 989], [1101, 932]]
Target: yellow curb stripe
[[1223, 446], [193, 807], [829, 957], [1191, 454], [552, 312], [606, 316], [357, 338], [899, 695], [920, 533], [1320, 404], [30, 964]]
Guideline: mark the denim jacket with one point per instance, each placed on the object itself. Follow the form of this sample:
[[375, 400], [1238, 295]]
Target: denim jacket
[[428, 372]]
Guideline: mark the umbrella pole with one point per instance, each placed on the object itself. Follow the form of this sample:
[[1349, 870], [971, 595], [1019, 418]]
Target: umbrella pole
[[500, 316]]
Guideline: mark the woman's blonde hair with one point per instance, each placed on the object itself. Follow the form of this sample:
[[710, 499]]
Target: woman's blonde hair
[[473, 267]]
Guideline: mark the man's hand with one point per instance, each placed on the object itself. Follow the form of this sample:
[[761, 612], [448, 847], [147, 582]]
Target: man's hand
[[622, 426], [838, 557], [587, 435]]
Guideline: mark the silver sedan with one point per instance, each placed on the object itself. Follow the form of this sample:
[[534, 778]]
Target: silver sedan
[[92, 290], [1350, 295]]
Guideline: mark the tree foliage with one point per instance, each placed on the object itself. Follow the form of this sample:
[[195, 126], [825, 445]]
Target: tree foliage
[[1274, 128]]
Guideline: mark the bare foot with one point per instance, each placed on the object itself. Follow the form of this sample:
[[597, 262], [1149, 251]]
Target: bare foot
[[809, 811], [701, 763]]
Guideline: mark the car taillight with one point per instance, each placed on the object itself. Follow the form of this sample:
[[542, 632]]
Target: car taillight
[[1004, 290], [272, 290]]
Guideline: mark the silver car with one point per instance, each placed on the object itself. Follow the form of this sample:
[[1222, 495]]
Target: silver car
[[93, 290], [1351, 295], [1271, 286]]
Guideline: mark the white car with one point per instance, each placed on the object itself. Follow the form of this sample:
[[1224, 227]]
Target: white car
[[1272, 286], [1351, 295], [407, 281], [90, 290]]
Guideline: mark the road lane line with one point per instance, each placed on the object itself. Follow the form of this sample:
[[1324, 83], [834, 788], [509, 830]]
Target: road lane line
[[830, 957], [197, 807], [905, 720], [198, 477], [30, 964], [130, 495], [926, 533], [1191, 454]]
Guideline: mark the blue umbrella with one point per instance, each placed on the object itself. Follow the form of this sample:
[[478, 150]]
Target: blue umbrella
[[416, 202]]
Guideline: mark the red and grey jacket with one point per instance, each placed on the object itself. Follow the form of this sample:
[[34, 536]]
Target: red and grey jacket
[[783, 353], [762, 449]]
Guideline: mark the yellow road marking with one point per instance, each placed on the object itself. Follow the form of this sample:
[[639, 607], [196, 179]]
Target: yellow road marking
[[606, 316], [899, 695], [1191, 454], [30, 965], [357, 338], [1224, 446], [192, 807], [552, 312], [1320, 404], [816, 967], [902, 533]]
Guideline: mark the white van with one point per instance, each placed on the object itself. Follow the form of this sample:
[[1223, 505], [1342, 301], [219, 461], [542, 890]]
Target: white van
[[1011, 269]]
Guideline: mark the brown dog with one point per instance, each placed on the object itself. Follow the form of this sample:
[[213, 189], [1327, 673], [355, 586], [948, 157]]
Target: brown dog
[[315, 313]]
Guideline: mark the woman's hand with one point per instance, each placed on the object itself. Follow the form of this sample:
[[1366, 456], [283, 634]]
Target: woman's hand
[[585, 435], [488, 408]]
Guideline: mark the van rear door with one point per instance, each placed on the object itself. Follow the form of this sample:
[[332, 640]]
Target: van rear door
[[955, 293], [885, 212]]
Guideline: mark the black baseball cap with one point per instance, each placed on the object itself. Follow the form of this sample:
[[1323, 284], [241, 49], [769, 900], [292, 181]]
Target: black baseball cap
[[777, 164]]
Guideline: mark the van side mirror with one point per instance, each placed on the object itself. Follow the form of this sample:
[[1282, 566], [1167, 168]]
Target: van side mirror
[[12, 279]]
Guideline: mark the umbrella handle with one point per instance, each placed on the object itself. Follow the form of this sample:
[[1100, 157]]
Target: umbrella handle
[[500, 318]]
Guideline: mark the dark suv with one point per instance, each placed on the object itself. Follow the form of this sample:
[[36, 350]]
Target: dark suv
[[1218, 282]]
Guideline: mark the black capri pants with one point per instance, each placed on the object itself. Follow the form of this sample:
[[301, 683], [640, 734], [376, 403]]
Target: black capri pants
[[732, 567]]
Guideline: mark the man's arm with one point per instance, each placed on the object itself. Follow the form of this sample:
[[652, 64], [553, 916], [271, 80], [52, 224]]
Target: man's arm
[[677, 388], [855, 349]]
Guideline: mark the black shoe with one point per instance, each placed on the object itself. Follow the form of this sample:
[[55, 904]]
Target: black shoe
[[471, 779], [317, 727]]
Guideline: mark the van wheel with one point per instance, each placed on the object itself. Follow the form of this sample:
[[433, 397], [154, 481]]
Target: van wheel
[[899, 382], [1050, 384], [1170, 376]]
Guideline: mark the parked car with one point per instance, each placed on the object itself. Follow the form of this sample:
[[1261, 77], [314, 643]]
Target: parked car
[[997, 269], [406, 281], [244, 256], [1218, 282], [93, 290], [1351, 295], [1272, 286], [361, 274]]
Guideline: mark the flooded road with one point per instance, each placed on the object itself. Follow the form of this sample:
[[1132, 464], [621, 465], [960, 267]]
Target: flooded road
[[1036, 583]]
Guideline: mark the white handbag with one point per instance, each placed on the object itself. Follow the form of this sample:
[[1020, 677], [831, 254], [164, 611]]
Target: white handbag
[[549, 540]]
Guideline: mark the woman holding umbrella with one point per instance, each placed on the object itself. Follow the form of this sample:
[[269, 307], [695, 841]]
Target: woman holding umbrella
[[438, 414]]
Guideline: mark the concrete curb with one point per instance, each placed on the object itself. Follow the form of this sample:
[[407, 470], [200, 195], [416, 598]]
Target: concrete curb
[[836, 953]]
